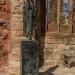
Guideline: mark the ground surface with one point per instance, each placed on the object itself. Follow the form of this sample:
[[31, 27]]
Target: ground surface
[[59, 70]]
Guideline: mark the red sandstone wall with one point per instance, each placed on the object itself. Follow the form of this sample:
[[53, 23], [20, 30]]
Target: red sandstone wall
[[5, 13], [11, 15]]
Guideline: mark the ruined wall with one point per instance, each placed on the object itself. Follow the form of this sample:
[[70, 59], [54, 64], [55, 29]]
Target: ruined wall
[[55, 41], [16, 35], [5, 29], [52, 43], [14, 41]]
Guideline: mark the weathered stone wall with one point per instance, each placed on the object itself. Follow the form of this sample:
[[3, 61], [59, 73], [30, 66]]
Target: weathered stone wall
[[16, 34], [16, 30], [5, 12], [53, 45], [56, 39], [54, 48]]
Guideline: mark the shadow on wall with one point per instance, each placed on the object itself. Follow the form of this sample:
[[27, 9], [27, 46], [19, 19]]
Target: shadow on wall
[[42, 30], [49, 71]]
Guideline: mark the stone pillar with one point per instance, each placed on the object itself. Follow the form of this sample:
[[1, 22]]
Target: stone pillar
[[16, 35], [58, 15], [30, 57], [70, 15]]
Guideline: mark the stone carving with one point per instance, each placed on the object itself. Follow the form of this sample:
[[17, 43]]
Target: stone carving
[[4, 32]]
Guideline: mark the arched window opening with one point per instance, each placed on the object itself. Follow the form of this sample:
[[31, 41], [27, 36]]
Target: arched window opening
[[64, 12], [52, 16], [65, 8], [64, 17]]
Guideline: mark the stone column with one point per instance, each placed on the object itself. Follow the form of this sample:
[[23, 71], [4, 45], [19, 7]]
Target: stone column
[[58, 15], [70, 15]]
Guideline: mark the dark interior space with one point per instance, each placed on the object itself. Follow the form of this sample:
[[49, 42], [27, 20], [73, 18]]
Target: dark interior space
[[42, 31]]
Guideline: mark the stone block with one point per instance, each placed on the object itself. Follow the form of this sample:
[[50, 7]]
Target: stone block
[[30, 57]]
